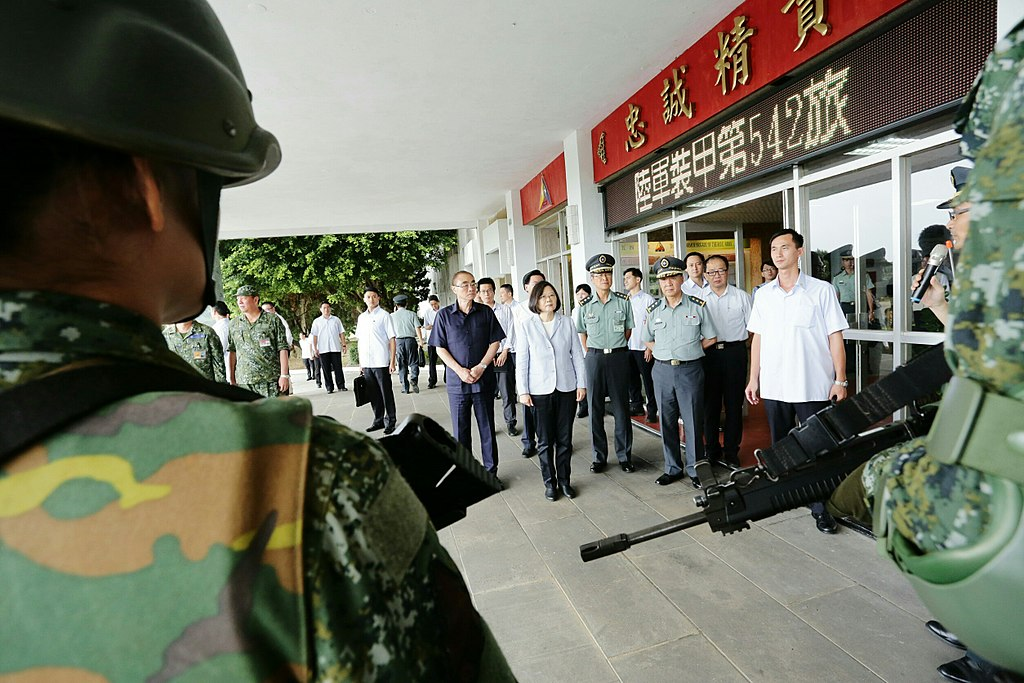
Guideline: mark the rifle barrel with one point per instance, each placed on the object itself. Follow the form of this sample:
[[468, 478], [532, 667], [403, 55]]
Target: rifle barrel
[[616, 544]]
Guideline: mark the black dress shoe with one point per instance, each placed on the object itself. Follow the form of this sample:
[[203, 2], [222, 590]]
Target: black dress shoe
[[569, 491], [636, 411], [514, 431], [582, 413], [967, 670], [415, 388], [597, 467], [939, 630], [344, 388], [695, 482], [431, 386], [389, 429], [405, 391], [652, 417], [529, 451], [627, 466], [825, 522], [330, 391], [550, 493], [666, 479], [375, 426]]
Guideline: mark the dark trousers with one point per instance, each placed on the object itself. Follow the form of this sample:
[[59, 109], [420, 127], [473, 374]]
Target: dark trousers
[[681, 395], [317, 369], [555, 413], [608, 375], [407, 352], [331, 361], [482, 404], [382, 396], [529, 437], [725, 377], [640, 373], [506, 376], [432, 365], [308, 362], [782, 417]]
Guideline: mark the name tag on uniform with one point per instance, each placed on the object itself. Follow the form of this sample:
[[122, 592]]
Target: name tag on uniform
[[691, 320], [265, 343], [199, 355], [591, 317], [197, 335], [618, 327]]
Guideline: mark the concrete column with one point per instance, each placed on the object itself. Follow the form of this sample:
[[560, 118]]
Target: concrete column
[[582, 194], [522, 250]]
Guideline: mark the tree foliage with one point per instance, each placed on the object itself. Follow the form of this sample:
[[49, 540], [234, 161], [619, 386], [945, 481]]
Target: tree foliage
[[299, 272]]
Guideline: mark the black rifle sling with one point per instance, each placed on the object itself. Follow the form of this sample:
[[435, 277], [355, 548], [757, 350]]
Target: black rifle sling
[[32, 411], [827, 428]]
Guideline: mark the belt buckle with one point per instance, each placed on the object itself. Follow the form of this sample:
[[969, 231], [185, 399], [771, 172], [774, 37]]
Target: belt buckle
[[675, 362], [606, 350], [720, 345]]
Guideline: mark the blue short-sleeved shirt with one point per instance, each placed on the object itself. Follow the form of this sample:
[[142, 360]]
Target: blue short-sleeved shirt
[[466, 336]]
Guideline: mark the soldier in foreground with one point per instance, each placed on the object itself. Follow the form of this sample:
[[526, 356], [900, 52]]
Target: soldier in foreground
[[175, 534]]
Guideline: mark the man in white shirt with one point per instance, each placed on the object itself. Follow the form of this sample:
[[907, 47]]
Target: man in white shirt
[[269, 307], [376, 337], [328, 345], [695, 284], [428, 324], [641, 358], [506, 296], [221, 323], [725, 364], [797, 359], [504, 362], [521, 312]]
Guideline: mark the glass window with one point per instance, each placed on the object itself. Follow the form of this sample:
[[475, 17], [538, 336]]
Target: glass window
[[548, 238], [850, 243], [930, 185], [660, 243]]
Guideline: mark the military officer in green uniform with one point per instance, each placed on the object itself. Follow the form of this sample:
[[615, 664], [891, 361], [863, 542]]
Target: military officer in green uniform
[[173, 535], [678, 330], [257, 347], [407, 340], [605, 321], [199, 346]]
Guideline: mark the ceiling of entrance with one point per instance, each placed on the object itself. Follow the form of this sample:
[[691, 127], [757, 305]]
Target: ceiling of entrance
[[420, 114]]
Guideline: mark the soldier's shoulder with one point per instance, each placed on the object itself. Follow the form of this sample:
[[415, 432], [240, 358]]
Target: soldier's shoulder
[[655, 304], [587, 300], [697, 300], [624, 297]]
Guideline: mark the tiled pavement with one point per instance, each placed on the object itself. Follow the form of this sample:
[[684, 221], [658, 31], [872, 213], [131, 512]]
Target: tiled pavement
[[778, 602]]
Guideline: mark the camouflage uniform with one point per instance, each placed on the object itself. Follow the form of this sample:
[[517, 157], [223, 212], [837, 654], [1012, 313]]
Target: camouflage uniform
[[939, 506], [149, 507], [257, 347], [199, 347]]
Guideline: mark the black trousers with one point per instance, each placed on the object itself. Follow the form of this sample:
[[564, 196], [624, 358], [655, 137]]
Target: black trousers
[[640, 373], [782, 417], [555, 413], [725, 377], [331, 361], [506, 376], [382, 396], [608, 375], [432, 365]]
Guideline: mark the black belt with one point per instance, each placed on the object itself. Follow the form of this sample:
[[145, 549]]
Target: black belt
[[677, 362], [725, 345], [407, 337], [618, 349]]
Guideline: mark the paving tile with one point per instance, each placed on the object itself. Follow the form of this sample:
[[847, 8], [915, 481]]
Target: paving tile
[[891, 642], [585, 663], [762, 638], [667, 662]]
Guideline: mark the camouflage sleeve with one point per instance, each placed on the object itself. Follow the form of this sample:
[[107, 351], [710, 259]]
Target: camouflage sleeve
[[386, 600], [217, 355], [280, 336]]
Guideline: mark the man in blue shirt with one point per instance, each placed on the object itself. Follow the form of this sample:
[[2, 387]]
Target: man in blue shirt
[[467, 336]]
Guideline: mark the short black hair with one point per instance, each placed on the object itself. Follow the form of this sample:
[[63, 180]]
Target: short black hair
[[686, 259], [635, 272], [371, 289], [526, 278], [537, 291], [768, 263], [269, 303], [509, 288], [221, 308], [324, 303], [585, 287], [433, 297], [798, 239], [484, 281], [718, 256]]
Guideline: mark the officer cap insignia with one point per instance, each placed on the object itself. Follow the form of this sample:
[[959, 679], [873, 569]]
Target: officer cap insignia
[[600, 263]]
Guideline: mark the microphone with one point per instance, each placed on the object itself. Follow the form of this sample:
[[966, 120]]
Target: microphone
[[935, 260]]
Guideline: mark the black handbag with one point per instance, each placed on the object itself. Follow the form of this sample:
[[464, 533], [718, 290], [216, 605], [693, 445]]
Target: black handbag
[[421, 358], [360, 390]]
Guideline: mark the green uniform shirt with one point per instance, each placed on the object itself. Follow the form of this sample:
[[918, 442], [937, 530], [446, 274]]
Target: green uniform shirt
[[199, 347], [846, 285], [117, 516], [677, 332], [605, 324], [257, 347], [405, 323]]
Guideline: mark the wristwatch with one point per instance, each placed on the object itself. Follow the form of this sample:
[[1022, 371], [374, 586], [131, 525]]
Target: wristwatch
[[844, 383]]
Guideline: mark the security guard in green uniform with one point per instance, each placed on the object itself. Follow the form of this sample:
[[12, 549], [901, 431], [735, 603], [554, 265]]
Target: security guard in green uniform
[[678, 330], [605, 321], [257, 347]]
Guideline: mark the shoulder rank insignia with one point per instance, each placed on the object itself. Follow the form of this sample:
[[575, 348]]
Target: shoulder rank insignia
[[657, 302], [587, 300], [697, 300], [621, 295]]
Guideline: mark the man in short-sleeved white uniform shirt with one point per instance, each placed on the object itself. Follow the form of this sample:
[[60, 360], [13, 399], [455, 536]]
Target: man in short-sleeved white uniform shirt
[[797, 358], [376, 335]]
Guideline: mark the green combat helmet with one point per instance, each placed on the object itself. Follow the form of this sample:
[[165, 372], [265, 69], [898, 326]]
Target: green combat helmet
[[152, 78]]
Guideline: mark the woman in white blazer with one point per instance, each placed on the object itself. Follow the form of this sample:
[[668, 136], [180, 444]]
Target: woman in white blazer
[[550, 376]]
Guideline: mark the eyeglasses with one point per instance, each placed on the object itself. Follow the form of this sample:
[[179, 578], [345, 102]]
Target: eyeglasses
[[953, 213], [712, 273], [465, 285]]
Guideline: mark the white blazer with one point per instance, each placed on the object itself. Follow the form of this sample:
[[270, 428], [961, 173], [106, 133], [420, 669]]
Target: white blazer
[[544, 364]]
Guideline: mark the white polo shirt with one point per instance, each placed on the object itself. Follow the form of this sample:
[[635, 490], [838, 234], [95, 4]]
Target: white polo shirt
[[796, 365], [640, 302], [328, 333], [373, 330], [693, 289], [730, 313]]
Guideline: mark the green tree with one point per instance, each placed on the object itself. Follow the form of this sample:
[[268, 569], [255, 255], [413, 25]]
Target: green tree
[[299, 272]]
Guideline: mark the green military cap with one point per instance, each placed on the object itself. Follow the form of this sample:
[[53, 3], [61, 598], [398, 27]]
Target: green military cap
[[401, 298], [247, 290], [601, 263], [669, 266], [958, 176]]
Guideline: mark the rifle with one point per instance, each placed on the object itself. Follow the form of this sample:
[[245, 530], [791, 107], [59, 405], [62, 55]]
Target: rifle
[[754, 493]]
